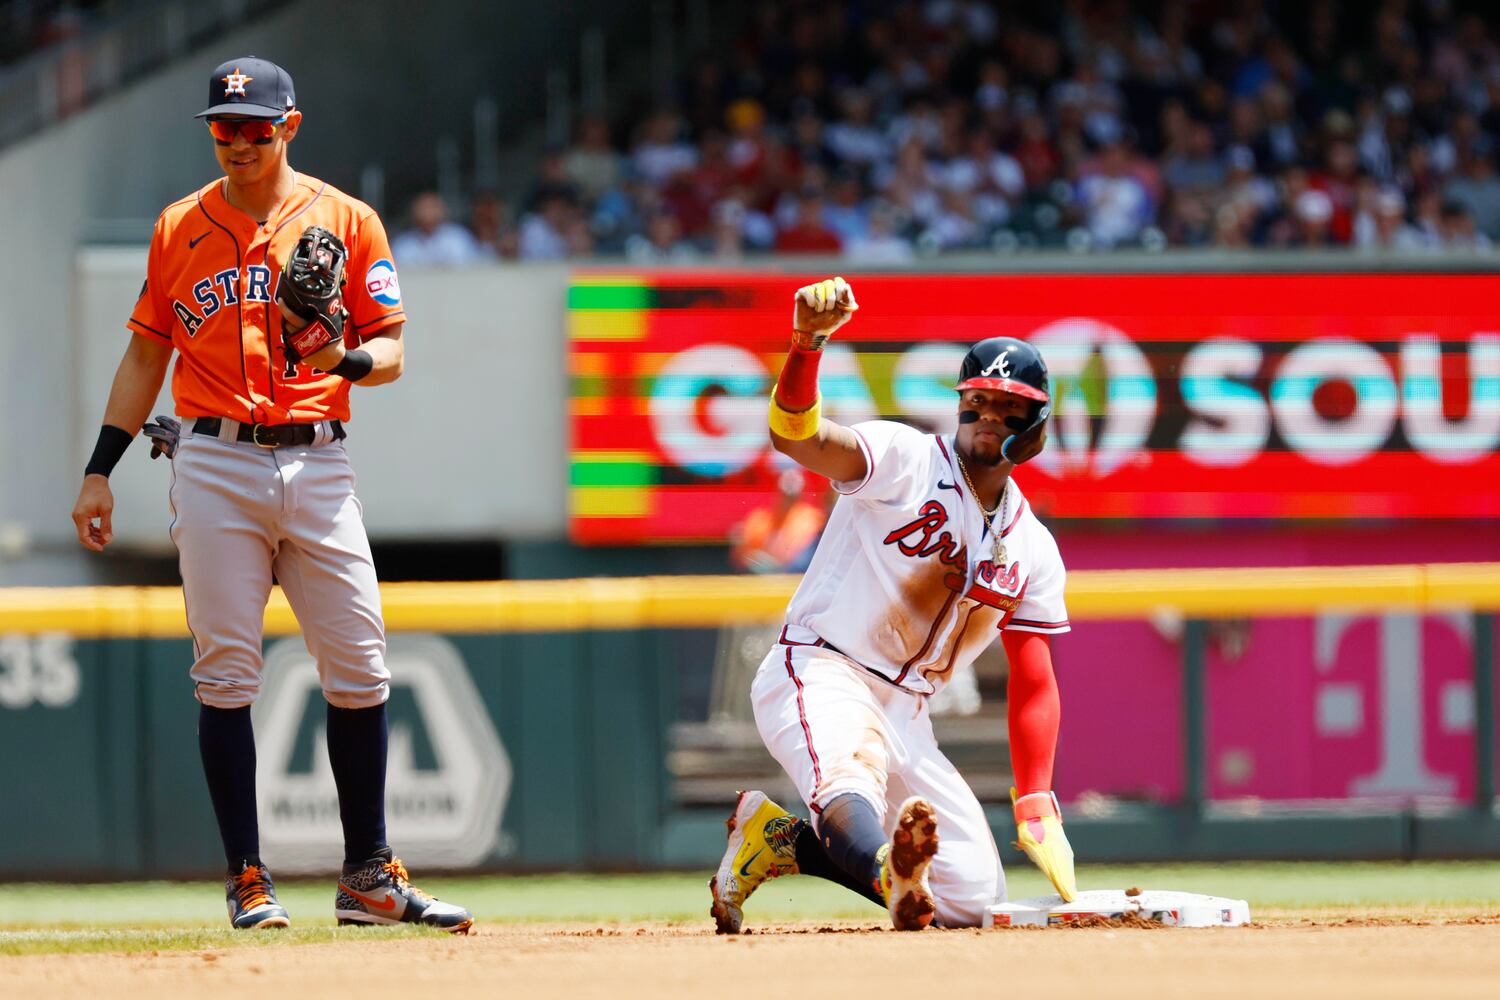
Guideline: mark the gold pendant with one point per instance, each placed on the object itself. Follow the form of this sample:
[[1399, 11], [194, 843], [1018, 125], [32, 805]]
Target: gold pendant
[[999, 552]]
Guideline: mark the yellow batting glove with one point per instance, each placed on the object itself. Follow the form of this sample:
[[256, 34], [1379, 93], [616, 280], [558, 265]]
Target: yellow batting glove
[[1039, 832], [819, 309]]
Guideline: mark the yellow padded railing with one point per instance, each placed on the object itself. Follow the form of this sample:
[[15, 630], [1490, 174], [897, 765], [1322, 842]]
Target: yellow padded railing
[[707, 601]]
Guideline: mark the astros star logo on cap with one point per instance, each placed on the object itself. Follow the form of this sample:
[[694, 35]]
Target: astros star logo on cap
[[235, 82]]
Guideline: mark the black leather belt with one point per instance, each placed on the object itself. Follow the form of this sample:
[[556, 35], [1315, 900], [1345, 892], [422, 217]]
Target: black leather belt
[[269, 435]]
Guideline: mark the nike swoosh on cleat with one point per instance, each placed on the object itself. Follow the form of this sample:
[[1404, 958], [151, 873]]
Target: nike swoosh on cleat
[[745, 868], [194, 242], [947, 486], [386, 905]]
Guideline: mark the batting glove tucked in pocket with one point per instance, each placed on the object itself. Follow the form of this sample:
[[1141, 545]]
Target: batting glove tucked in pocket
[[164, 433]]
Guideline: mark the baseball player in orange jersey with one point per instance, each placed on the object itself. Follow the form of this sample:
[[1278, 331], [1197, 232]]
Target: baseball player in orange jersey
[[278, 293], [930, 553]]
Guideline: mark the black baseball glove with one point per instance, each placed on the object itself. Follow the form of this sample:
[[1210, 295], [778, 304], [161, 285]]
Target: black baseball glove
[[312, 287]]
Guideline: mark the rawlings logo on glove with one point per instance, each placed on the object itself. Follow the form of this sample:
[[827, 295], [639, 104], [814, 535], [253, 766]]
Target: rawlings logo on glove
[[312, 287]]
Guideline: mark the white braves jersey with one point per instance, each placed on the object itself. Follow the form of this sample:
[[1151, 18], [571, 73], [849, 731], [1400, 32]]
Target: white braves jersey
[[904, 580]]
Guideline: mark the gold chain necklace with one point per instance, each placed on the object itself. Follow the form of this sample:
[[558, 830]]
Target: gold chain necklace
[[989, 525]]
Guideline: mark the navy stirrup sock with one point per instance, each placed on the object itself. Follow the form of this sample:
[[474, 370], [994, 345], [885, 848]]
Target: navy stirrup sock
[[357, 744], [226, 742], [813, 860], [851, 836]]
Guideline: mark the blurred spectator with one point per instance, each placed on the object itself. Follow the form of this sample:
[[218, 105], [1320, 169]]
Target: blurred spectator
[[780, 537], [881, 243], [1313, 211], [1382, 224], [544, 229], [592, 165], [847, 213], [854, 138], [433, 240], [1115, 203], [490, 221], [662, 242], [808, 233], [727, 234], [1196, 168], [981, 124], [1478, 190], [660, 151], [1458, 229]]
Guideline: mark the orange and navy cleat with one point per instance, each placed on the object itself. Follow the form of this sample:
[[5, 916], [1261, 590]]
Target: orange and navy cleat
[[251, 898], [380, 892]]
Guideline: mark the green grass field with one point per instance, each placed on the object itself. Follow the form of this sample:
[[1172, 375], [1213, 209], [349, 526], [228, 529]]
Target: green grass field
[[44, 918]]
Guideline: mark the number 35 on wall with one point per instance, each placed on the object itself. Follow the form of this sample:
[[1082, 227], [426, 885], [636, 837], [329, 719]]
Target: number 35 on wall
[[38, 670]]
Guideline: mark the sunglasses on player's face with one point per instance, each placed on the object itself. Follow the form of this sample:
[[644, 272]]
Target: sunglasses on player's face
[[259, 131]]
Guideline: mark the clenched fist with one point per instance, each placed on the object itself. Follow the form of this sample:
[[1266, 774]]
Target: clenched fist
[[820, 309]]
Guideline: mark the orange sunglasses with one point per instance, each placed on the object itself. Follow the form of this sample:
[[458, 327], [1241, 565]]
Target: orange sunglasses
[[259, 131]]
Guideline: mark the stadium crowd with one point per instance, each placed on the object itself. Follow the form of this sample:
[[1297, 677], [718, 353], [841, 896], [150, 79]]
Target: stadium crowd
[[882, 130]]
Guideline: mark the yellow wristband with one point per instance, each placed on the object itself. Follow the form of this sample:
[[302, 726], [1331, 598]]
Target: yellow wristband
[[795, 426]]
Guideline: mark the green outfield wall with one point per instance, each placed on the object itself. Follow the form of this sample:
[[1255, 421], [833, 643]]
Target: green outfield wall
[[530, 728]]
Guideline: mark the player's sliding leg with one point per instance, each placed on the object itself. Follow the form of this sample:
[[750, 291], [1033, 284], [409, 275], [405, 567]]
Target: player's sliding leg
[[892, 874], [828, 729], [849, 848], [766, 842]]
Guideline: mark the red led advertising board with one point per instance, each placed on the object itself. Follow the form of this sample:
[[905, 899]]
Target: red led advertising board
[[1259, 397]]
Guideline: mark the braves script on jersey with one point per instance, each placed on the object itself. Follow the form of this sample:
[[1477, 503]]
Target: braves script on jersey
[[211, 292], [904, 581]]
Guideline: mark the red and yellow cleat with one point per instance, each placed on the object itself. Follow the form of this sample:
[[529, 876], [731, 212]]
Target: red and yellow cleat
[[762, 846]]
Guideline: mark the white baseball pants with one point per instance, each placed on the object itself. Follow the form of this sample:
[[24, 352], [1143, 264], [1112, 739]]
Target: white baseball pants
[[241, 513], [836, 728]]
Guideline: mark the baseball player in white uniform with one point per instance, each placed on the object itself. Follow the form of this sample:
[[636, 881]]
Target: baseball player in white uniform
[[931, 551]]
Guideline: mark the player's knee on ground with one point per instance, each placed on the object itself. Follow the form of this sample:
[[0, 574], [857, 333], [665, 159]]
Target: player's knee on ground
[[965, 887]]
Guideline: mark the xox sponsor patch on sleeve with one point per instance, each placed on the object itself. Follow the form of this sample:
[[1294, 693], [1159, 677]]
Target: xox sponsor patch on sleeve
[[381, 283]]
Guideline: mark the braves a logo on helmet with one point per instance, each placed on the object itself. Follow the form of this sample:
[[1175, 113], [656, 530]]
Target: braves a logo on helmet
[[1000, 366]]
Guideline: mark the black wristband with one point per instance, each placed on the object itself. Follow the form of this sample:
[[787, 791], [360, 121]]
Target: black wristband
[[355, 365], [108, 450]]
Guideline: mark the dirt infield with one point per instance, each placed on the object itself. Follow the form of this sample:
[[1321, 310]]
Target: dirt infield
[[1288, 955]]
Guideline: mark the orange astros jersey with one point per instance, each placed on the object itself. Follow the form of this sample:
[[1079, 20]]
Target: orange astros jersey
[[211, 293]]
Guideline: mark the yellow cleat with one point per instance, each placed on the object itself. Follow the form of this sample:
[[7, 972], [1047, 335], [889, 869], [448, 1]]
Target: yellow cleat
[[762, 846], [1039, 832]]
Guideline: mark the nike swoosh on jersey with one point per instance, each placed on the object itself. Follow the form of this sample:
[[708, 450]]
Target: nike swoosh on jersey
[[386, 905], [745, 868], [195, 241], [947, 486]]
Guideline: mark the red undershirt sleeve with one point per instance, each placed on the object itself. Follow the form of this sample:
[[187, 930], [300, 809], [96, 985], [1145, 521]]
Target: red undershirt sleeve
[[1035, 710]]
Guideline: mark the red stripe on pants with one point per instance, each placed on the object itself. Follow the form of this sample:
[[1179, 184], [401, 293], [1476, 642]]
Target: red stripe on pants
[[806, 731]]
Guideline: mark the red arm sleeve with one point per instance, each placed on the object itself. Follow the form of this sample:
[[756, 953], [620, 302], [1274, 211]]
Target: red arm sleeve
[[1034, 708]]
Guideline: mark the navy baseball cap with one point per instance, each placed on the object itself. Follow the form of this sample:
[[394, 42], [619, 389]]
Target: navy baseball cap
[[249, 87]]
